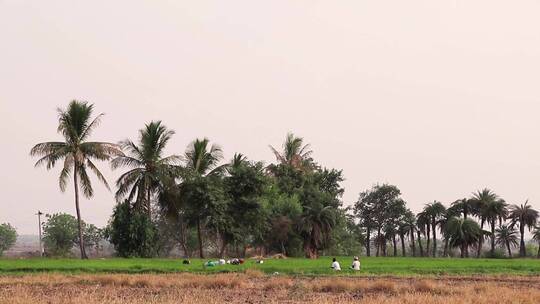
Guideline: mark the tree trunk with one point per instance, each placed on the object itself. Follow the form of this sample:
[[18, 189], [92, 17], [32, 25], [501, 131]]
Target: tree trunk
[[402, 237], [394, 243], [420, 243], [509, 250], [538, 254], [378, 243], [428, 236], [223, 246], [522, 251], [148, 204], [368, 245], [492, 253], [413, 245], [199, 236], [434, 225], [480, 241], [461, 250], [283, 248], [446, 241], [79, 220]]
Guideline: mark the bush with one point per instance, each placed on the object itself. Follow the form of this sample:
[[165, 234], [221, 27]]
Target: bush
[[8, 237], [132, 233]]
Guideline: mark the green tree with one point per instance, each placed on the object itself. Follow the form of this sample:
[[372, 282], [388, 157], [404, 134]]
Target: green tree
[[93, 236], [526, 217], [76, 126], [147, 165], [536, 237], [435, 211], [423, 225], [495, 211], [463, 233], [200, 190], [295, 153], [8, 237], [506, 236], [132, 232], [60, 233], [244, 186], [481, 200], [316, 223], [375, 208]]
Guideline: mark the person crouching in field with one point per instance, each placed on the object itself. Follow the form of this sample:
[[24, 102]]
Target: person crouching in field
[[335, 265], [355, 264]]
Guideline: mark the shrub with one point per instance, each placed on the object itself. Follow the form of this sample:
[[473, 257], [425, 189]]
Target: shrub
[[60, 234]]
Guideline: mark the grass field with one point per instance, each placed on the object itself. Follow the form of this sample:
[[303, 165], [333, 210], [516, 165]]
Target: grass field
[[255, 287], [370, 266]]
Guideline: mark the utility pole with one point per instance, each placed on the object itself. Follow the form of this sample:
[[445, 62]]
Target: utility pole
[[39, 214]]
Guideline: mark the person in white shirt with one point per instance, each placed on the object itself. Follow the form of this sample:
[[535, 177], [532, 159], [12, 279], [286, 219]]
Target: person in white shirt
[[335, 265], [356, 264]]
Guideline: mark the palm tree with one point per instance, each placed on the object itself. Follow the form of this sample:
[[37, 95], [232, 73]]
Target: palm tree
[[536, 237], [506, 236], [526, 216], [463, 206], [480, 200], [315, 225], [422, 222], [463, 233], [75, 124], [147, 165], [434, 211], [495, 210], [201, 161], [295, 153], [410, 220]]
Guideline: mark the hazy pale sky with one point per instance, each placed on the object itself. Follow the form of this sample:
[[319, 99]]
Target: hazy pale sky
[[438, 97]]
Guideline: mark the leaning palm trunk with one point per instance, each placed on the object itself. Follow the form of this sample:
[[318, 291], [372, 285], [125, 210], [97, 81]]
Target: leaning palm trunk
[[79, 220], [428, 237]]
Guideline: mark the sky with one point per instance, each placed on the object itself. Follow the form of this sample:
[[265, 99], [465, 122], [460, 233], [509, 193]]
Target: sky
[[440, 98]]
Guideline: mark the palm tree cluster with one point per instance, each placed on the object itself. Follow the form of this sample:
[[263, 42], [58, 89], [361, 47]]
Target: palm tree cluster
[[233, 205], [461, 225], [203, 203]]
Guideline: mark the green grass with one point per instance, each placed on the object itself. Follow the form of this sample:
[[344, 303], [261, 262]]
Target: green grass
[[370, 266]]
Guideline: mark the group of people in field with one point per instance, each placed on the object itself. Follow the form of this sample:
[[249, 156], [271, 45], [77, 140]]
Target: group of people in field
[[354, 266]]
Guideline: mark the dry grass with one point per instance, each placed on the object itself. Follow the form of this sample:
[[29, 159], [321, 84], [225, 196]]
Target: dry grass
[[253, 288]]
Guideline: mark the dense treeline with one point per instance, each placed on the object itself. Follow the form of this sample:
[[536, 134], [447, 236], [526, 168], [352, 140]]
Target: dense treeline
[[202, 204]]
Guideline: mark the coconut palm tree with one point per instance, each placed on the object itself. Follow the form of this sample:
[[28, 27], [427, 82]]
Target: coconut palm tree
[[148, 166], [295, 153], [495, 210], [75, 124], [536, 237], [506, 236], [480, 200], [316, 223], [434, 211], [463, 233], [201, 162], [525, 216]]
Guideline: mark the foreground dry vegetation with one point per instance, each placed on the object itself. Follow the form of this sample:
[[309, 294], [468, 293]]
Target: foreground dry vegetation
[[254, 287]]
